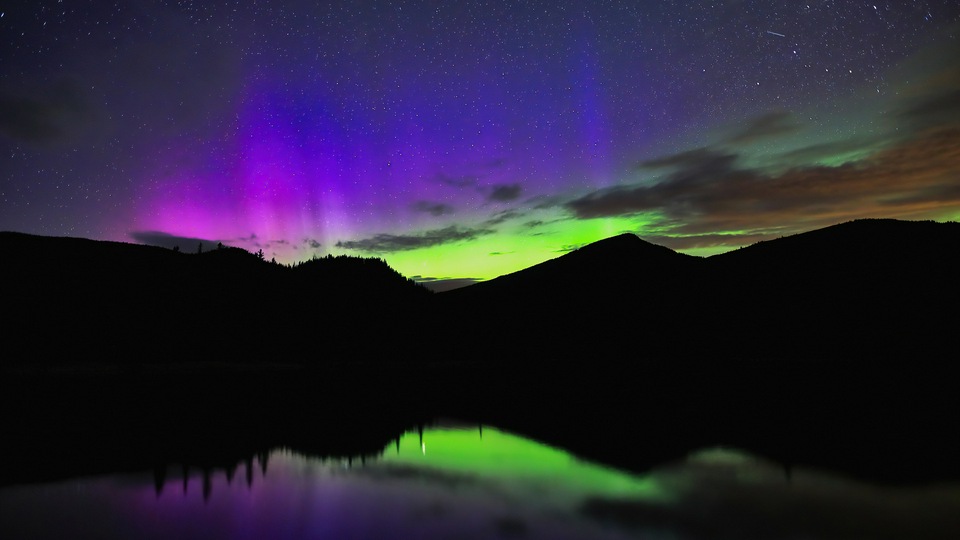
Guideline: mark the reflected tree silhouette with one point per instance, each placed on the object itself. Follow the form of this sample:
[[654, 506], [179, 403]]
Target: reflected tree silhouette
[[159, 478], [207, 485]]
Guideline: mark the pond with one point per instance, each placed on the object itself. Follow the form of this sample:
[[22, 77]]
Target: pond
[[470, 481]]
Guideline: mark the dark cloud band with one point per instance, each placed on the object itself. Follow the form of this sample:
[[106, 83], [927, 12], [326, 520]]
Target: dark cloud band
[[387, 243]]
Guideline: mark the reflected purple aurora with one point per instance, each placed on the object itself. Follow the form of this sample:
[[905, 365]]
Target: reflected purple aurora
[[463, 482]]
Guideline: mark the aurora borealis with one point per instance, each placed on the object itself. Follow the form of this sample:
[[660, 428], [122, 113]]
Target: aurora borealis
[[465, 140]]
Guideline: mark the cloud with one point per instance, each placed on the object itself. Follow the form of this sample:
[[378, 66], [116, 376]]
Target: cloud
[[948, 102], [771, 124], [827, 150], [445, 284], [493, 193], [504, 192], [928, 93], [500, 217], [679, 243], [44, 114], [434, 209], [494, 163], [938, 109], [462, 181], [708, 193], [169, 241], [570, 247], [311, 243], [697, 158], [387, 243], [470, 180], [545, 202], [695, 172]]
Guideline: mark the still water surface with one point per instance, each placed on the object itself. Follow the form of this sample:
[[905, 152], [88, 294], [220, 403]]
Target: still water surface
[[478, 482]]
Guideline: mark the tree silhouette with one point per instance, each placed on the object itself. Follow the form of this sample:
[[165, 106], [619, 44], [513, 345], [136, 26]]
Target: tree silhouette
[[260, 254]]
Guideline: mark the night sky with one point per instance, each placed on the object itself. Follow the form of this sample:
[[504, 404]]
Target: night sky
[[468, 139]]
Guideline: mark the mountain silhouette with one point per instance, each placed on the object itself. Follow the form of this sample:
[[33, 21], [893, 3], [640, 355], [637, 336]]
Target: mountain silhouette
[[615, 297], [72, 298], [865, 290], [871, 289], [603, 267]]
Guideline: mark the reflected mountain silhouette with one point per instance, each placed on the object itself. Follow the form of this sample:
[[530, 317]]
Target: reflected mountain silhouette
[[898, 429]]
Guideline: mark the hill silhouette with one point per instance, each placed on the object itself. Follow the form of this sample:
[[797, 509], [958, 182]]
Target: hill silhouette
[[875, 289], [862, 290], [72, 298], [865, 290], [613, 298], [603, 267]]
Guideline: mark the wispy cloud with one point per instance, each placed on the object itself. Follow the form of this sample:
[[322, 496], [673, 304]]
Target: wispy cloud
[[445, 284], [388, 243], [460, 181], [170, 241], [504, 192], [433, 208], [772, 124], [856, 146], [708, 193], [43, 115], [700, 241], [932, 110], [500, 217]]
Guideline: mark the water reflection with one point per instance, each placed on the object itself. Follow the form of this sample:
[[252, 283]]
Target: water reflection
[[477, 482]]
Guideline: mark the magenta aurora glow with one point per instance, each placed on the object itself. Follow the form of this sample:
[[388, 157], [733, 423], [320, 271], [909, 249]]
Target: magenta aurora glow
[[467, 140]]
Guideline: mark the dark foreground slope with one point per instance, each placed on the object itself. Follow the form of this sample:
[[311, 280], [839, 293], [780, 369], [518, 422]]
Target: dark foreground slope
[[618, 298], [68, 299], [873, 290], [868, 289]]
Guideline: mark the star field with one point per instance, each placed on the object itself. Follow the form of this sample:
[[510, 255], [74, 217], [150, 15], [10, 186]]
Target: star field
[[464, 140]]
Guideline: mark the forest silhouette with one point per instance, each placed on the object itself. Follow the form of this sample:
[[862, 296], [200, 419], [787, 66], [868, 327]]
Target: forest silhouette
[[867, 290]]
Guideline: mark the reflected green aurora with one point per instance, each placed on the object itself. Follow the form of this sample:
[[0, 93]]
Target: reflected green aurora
[[500, 455]]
